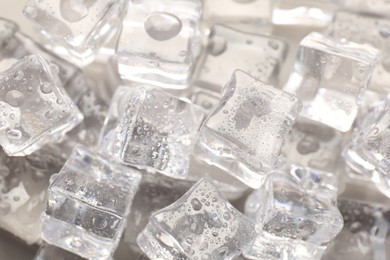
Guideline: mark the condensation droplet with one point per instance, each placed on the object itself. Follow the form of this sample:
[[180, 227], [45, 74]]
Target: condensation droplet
[[162, 26]]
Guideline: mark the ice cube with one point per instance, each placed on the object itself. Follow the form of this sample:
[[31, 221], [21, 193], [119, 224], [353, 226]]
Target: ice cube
[[77, 27], [247, 15], [245, 132], [296, 214], [88, 203], [158, 25], [229, 49], [318, 13], [154, 193], [314, 145], [152, 130], [376, 32], [329, 76], [36, 109], [363, 236], [200, 225]]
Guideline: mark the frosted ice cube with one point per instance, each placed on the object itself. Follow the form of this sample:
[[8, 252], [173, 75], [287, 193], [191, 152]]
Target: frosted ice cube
[[88, 203], [77, 27], [296, 214], [314, 145], [228, 50], [375, 7], [367, 29], [200, 225], [158, 25], [310, 13], [329, 76], [151, 129], [245, 132], [35, 108], [363, 237], [368, 150], [154, 193], [248, 15]]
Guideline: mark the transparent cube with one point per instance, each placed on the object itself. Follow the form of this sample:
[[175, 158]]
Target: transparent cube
[[368, 150], [154, 193], [363, 236], [200, 225], [248, 15], [88, 203], [329, 77], [36, 110], [375, 7], [152, 130], [158, 25], [367, 29], [318, 13], [78, 28], [245, 133], [314, 145], [296, 214], [258, 55]]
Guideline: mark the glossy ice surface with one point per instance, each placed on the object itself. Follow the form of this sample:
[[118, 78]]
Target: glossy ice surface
[[158, 25], [296, 214], [245, 132], [151, 129], [88, 203], [329, 76], [200, 225], [36, 109]]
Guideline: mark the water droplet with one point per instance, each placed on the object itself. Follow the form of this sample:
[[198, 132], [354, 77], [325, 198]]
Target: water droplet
[[273, 44], [162, 26], [18, 75], [196, 204], [99, 222], [74, 10], [15, 98], [46, 88], [14, 134], [217, 46]]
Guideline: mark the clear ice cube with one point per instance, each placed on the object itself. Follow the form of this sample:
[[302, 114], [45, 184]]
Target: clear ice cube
[[318, 13], [368, 150], [200, 225], [228, 49], [329, 76], [36, 109], [314, 145], [245, 132], [363, 236], [296, 214], [158, 25], [374, 7], [370, 30], [248, 15], [152, 130], [88, 204], [77, 27]]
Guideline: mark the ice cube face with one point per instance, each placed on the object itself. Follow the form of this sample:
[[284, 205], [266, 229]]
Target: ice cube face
[[154, 193], [245, 132], [158, 25], [35, 108], [88, 203], [303, 12], [296, 214], [228, 49], [377, 31], [78, 27], [329, 76], [313, 145], [364, 233], [200, 225], [368, 151], [246, 15], [375, 7], [152, 130]]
